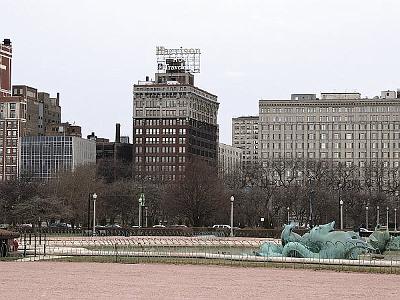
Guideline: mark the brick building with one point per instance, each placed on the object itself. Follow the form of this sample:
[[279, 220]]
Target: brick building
[[5, 67], [173, 123], [12, 126]]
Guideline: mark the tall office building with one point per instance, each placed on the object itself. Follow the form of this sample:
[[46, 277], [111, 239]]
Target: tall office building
[[173, 122], [245, 136], [337, 127], [5, 67]]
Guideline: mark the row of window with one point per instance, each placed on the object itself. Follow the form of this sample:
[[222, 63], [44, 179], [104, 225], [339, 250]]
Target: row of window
[[158, 122], [161, 159], [161, 177], [357, 126], [334, 145], [358, 109], [158, 103], [335, 136], [349, 118], [156, 131], [158, 168], [325, 155], [139, 149]]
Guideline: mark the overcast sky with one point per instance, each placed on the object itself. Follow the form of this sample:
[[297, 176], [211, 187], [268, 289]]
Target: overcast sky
[[92, 52]]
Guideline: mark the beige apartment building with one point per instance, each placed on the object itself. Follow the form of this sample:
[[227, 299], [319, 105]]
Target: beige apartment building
[[340, 127], [229, 159], [245, 136]]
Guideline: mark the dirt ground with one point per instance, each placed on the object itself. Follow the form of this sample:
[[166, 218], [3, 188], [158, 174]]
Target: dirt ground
[[63, 280]]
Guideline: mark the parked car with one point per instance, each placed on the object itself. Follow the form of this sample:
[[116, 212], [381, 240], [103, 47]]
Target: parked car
[[222, 227], [113, 226], [25, 226], [159, 226], [178, 226]]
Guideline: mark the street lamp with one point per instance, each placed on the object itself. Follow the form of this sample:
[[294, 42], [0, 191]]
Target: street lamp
[[145, 216], [288, 214], [94, 196], [387, 218], [341, 213], [232, 200], [311, 211], [377, 215], [141, 204], [366, 217], [341, 205]]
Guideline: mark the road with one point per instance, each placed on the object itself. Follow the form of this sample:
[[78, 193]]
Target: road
[[61, 280]]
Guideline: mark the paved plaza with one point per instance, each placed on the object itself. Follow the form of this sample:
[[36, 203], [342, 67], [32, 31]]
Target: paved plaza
[[61, 280]]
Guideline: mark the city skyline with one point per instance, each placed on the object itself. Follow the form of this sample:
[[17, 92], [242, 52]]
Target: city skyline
[[275, 50]]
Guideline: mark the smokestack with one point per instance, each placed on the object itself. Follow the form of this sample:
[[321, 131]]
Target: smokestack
[[117, 133], [147, 78], [58, 99]]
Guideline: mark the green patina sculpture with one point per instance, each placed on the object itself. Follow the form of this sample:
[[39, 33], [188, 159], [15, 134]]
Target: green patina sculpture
[[379, 239], [393, 244], [320, 242]]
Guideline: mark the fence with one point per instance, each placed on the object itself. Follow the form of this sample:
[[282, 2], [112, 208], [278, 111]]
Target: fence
[[205, 249], [169, 231]]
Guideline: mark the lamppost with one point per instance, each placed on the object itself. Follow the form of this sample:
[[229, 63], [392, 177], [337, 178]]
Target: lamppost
[[377, 215], [366, 217], [88, 213], [145, 216], [232, 200], [311, 211], [395, 219], [341, 213], [288, 214], [141, 204], [94, 196], [341, 205], [387, 218]]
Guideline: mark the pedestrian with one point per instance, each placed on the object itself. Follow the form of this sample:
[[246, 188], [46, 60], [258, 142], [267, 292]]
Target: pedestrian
[[15, 245]]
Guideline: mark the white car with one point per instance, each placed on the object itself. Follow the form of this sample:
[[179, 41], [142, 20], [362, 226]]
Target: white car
[[222, 226], [159, 226]]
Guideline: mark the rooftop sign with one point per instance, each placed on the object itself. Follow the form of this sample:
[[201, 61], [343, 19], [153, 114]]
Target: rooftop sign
[[178, 60]]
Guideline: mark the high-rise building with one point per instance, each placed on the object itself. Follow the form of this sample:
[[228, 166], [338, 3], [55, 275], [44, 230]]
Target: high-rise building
[[26, 113], [44, 157], [12, 126], [42, 110], [229, 159], [5, 67], [245, 136], [338, 128], [51, 108], [173, 123]]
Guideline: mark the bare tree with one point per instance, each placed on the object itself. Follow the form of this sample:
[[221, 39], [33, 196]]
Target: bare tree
[[199, 198]]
